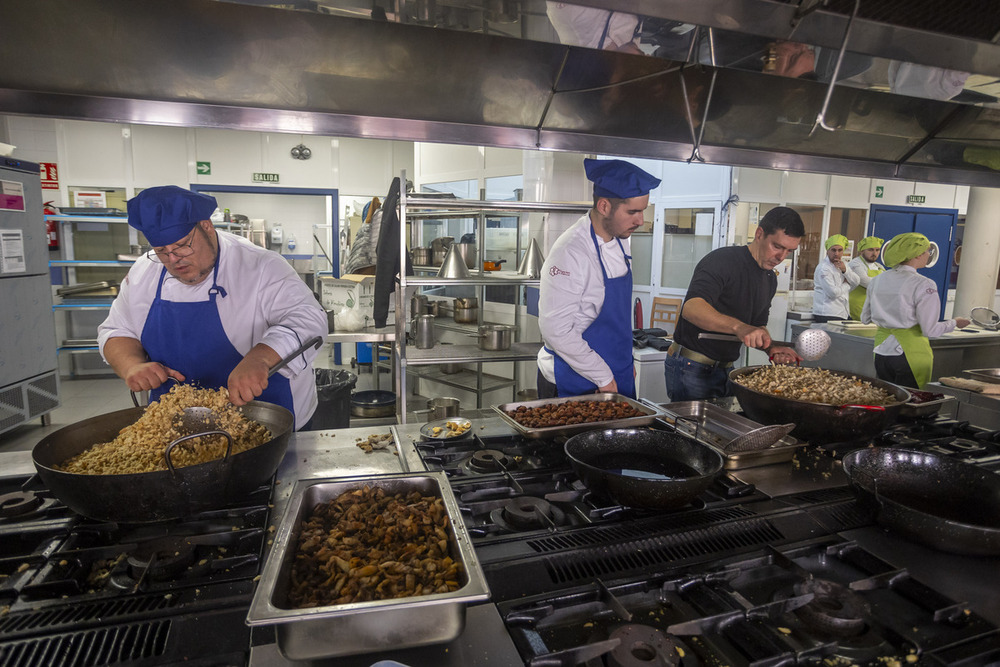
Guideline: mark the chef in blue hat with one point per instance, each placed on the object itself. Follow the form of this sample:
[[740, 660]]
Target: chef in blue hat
[[210, 308], [586, 289]]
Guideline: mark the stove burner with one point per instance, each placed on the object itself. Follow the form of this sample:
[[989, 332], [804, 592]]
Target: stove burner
[[161, 559], [18, 503], [526, 513], [835, 610], [642, 646], [489, 460]]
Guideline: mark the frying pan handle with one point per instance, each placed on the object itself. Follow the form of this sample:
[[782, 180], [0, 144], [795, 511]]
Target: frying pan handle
[[135, 401], [873, 478], [867, 408], [225, 459]]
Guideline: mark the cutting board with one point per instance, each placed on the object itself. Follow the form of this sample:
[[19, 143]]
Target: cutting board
[[971, 385]]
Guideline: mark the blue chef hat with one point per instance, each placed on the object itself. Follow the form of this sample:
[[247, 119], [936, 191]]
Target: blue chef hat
[[618, 179], [166, 214]]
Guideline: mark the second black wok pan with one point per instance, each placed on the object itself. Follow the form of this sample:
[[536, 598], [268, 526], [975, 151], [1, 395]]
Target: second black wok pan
[[934, 500], [643, 467]]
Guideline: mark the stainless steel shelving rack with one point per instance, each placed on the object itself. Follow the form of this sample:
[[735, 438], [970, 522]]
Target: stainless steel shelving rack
[[69, 264], [416, 207]]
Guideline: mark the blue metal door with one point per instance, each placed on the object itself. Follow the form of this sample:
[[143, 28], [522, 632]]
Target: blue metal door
[[937, 224]]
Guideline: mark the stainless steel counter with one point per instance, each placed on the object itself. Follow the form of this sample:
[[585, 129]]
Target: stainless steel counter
[[852, 349]]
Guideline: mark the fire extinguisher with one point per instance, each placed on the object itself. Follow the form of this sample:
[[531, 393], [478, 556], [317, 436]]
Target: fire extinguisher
[[51, 226]]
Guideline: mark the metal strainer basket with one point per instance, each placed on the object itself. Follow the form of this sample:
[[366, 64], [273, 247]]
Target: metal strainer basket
[[759, 438]]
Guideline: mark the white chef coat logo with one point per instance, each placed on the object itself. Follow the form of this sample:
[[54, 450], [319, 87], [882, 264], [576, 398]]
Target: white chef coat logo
[[556, 271]]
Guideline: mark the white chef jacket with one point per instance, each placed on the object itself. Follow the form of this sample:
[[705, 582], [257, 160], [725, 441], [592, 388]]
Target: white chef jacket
[[831, 288], [584, 26], [571, 297], [900, 298], [266, 302], [860, 268]]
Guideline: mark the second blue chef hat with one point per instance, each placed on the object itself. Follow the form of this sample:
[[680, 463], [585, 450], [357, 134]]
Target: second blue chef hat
[[618, 179], [167, 213]]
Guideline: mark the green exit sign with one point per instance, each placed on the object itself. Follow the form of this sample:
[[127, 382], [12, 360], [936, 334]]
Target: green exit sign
[[879, 191], [203, 168], [915, 199], [259, 177]]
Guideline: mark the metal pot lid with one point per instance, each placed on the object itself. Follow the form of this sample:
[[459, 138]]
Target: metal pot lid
[[373, 398]]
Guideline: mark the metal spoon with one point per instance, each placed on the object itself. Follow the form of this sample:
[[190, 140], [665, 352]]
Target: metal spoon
[[812, 344]]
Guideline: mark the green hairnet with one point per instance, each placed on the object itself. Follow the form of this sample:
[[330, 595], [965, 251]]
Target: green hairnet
[[870, 242], [903, 247], [836, 239]]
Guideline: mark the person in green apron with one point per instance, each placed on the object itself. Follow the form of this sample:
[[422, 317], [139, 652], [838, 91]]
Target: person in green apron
[[905, 306], [865, 268]]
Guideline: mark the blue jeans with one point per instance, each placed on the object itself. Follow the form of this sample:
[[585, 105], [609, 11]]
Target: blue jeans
[[691, 381]]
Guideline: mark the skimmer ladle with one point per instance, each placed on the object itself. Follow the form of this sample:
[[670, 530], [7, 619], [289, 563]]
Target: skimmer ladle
[[759, 438], [812, 344]]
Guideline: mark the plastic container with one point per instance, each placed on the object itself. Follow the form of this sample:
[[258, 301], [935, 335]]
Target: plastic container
[[333, 388]]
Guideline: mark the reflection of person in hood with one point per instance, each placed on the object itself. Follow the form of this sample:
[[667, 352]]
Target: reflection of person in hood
[[905, 306], [594, 28]]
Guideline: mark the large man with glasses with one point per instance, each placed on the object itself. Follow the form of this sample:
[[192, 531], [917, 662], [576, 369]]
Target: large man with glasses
[[209, 307]]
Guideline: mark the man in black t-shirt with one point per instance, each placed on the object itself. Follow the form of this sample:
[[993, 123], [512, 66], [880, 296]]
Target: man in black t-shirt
[[731, 293]]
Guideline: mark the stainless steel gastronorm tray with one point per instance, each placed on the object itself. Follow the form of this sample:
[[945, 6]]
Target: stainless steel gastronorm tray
[[363, 627], [648, 416], [717, 427]]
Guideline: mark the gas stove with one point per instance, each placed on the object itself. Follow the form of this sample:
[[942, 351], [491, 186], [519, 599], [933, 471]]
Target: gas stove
[[824, 602], [83, 592]]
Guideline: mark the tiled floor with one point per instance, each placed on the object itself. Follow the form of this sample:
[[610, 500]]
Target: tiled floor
[[85, 398]]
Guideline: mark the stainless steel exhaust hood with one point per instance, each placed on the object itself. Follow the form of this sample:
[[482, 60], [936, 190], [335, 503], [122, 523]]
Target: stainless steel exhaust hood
[[230, 65]]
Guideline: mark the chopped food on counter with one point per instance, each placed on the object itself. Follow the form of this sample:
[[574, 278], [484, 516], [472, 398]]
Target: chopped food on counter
[[375, 441]]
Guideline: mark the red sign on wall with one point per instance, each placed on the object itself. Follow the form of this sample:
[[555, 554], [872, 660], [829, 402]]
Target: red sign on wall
[[50, 175]]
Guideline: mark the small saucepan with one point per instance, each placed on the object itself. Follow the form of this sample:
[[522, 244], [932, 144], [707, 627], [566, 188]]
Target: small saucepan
[[373, 403], [495, 336], [643, 467]]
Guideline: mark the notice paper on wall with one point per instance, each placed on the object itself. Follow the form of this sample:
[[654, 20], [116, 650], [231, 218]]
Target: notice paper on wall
[[11, 196], [12, 251]]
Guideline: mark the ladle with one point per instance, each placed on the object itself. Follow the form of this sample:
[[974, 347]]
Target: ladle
[[197, 419], [812, 344]]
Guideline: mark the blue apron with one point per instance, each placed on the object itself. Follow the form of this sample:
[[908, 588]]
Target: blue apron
[[189, 338], [609, 335]]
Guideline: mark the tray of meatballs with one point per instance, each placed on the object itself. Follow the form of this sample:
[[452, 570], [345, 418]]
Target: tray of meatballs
[[551, 417]]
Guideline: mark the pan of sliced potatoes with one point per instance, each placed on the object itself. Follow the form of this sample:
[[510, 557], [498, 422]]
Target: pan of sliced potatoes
[[447, 429]]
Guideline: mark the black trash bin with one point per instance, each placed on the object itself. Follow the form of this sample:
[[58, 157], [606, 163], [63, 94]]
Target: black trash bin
[[334, 392]]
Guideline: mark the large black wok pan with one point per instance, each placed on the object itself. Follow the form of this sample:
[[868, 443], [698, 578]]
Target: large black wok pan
[[163, 494], [819, 422], [937, 501], [642, 467]]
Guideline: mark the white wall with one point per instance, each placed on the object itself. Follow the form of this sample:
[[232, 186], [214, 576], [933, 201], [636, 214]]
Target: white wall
[[140, 156]]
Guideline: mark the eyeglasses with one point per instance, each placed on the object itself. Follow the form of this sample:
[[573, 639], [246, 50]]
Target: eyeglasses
[[181, 251]]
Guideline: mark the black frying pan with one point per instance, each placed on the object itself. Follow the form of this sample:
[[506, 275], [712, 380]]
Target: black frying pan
[[937, 501], [162, 494], [642, 467]]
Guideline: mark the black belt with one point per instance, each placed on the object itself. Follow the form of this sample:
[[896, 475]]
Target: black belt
[[677, 348]]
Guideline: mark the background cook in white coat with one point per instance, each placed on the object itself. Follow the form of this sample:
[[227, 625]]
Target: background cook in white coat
[[573, 299], [832, 282], [266, 302]]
